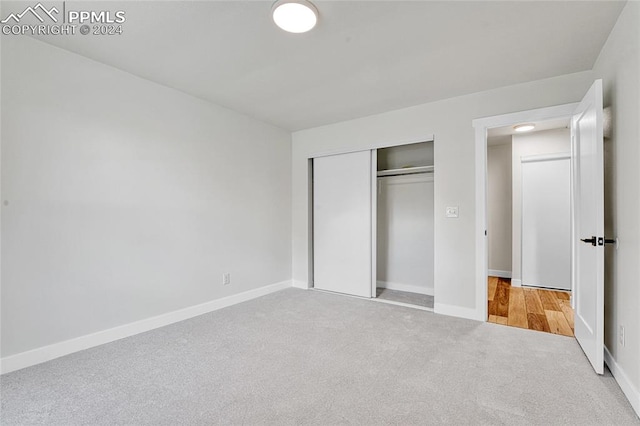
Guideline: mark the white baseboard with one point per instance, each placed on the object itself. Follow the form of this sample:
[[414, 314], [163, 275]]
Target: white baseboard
[[625, 384], [457, 311], [56, 350], [300, 284], [516, 283], [499, 273], [411, 288]]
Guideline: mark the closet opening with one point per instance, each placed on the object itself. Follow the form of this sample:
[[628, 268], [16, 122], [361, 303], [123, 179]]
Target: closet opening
[[405, 225], [372, 224]]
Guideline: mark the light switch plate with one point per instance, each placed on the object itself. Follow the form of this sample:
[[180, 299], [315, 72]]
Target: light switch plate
[[452, 211]]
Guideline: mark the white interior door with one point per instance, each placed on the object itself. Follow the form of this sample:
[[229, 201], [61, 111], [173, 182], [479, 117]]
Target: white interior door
[[342, 223], [546, 221], [588, 238]]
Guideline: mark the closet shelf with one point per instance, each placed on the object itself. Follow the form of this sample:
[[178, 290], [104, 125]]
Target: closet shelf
[[406, 171]]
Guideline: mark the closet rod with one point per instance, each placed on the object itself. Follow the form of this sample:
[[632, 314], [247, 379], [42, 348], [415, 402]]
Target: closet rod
[[406, 174]]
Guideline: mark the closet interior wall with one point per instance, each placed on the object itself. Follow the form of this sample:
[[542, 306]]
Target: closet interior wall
[[405, 218]]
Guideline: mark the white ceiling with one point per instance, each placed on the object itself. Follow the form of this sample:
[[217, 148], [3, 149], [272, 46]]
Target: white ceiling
[[362, 58]]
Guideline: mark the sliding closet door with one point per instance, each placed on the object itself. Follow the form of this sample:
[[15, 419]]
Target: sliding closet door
[[342, 223]]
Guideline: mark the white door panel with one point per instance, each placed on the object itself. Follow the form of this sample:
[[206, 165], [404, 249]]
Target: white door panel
[[546, 222], [342, 223], [588, 192]]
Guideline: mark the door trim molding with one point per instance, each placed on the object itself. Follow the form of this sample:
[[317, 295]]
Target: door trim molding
[[481, 126]]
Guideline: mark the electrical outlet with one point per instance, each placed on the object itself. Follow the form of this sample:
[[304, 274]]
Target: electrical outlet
[[226, 278], [621, 335]]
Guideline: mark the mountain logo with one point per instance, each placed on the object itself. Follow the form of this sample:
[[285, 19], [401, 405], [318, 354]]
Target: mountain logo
[[34, 11]]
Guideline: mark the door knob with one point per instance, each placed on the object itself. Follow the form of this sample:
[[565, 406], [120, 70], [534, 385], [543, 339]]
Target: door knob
[[598, 241]]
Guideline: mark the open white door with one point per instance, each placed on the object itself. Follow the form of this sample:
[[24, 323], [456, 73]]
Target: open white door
[[588, 230], [342, 223]]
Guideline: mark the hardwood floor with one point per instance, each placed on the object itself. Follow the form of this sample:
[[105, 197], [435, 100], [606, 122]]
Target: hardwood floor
[[535, 309]]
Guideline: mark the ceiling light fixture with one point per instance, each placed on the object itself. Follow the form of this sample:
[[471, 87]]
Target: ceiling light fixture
[[524, 127], [295, 16]]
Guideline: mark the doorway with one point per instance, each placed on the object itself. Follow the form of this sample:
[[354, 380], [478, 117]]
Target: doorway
[[528, 226], [587, 213], [536, 309]]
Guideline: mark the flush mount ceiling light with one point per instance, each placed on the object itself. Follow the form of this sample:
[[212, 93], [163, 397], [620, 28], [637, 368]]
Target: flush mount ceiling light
[[524, 127], [295, 16]]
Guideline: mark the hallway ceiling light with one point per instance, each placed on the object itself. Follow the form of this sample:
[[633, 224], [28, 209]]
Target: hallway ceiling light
[[295, 16], [524, 127]]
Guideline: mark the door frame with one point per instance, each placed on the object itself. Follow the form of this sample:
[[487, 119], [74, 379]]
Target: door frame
[[481, 127], [365, 147]]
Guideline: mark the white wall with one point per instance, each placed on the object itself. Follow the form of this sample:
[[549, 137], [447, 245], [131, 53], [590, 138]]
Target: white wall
[[499, 195], [405, 254], [127, 199], [413, 155], [619, 67], [450, 121], [535, 143]]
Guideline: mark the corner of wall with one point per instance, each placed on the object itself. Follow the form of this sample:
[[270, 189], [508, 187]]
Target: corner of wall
[[458, 311], [301, 284], [627, 386]]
